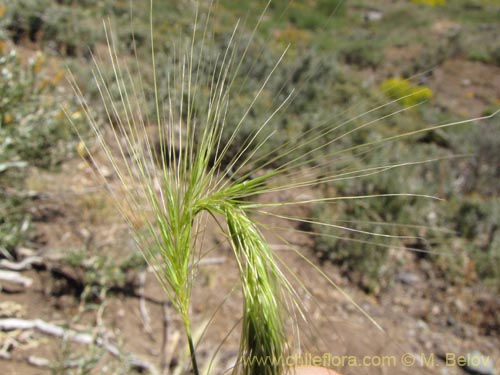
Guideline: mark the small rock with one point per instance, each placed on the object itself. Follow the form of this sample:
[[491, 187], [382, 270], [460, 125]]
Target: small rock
[[422, 325], [450, 321], [372, 15], [105, 172], [460, 306], [436, 310], [402, 301], [432, 218], [477, 363], [408, 278], [466, 82]]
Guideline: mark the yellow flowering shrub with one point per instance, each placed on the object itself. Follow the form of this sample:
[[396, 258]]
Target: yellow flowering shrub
[[431, 3], [3, 9], [408, 93]]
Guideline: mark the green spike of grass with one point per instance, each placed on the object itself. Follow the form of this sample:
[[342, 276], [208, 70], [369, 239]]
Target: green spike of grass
[[263, 332]]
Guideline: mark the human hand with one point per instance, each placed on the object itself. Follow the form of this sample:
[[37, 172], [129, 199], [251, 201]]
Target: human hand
[[312, 370]]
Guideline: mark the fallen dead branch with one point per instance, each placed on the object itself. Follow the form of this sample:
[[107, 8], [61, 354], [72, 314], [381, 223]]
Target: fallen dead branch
[[15, 278], [78, 337], [22, 265], [39, 361], [146, 319], [43, 195], [164, 350]]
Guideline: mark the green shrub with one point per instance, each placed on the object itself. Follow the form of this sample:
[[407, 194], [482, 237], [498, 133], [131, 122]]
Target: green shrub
[[360, 257], [14, 222], [487, 259], [474, 240], [62, 27], [495, 54], [478, 171], [33, 132], [489, 54], [362, 53], [318, 16], [99, 273], [33, 126]]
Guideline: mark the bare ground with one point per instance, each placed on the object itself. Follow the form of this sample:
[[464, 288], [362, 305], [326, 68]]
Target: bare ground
[[420, 314]]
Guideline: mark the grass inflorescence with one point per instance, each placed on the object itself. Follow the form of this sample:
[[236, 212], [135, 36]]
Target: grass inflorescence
[[191, 182], [201, 165]]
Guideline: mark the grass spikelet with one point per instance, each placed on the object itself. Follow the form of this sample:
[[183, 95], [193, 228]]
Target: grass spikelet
[[263, 344]]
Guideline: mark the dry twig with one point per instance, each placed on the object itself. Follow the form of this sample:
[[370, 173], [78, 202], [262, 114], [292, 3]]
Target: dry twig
[[78, 337], [25, 264], [15, 278]]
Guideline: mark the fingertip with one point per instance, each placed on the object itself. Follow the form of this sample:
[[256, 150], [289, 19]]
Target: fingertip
[[312, 370]]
